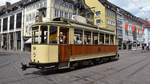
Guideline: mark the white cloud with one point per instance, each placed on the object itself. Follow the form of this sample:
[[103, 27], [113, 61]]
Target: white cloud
[[139, 8]]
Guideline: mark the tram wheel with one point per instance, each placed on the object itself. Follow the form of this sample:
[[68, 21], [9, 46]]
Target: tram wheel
[[116, 57], [74, 65]]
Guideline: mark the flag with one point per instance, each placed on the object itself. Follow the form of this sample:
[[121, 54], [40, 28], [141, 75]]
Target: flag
[[138, 30], [133, 28], [126, 26], [142, 29]]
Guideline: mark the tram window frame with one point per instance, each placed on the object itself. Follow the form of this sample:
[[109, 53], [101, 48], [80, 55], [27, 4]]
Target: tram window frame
[[95, 35], [43, 34], [87, 37], [107, 39], [55, 35], [78, 35], [35, 34], [101, 38]]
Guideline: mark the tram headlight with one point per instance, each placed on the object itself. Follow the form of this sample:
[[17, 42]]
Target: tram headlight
[[34, 55]]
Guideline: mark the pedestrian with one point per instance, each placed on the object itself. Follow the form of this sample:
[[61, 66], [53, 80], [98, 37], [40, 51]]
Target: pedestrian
[[62, 38], [143, 47], [147, 47]]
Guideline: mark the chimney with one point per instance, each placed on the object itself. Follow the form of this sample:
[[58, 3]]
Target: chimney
[[8, 4]]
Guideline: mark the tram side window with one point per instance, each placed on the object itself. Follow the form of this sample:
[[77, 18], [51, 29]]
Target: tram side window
[[101, 39], [53, 35], [111, 39], [78, 35], [95, 38], [43, 34], [35, 34], [107, 39], [87, 37]]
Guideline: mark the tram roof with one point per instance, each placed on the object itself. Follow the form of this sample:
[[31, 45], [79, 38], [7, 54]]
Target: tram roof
[[71, 23]]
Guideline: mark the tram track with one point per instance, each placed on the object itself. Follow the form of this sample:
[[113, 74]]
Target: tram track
[[138, 70], [117, 71], [133, 64], [105, 76]]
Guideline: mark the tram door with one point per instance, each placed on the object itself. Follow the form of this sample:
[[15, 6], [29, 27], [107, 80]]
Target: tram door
[[64, 36], [64, 47]]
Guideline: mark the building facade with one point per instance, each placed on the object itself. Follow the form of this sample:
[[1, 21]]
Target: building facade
[[104, 14], [113, 18], [147, 33], [132, 31], [11, 26], [120, 22]]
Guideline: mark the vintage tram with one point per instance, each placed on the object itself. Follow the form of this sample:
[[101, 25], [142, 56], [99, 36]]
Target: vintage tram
[[65, 44]]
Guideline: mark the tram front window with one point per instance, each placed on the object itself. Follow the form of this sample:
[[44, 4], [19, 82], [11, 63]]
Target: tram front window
[[53, 35], [43, 35], [39, 37], [35, 32]]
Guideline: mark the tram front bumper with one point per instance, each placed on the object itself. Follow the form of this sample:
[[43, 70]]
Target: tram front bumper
[[25, 66]]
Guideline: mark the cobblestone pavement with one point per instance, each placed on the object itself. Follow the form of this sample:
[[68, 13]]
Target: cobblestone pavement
[[132, 68]]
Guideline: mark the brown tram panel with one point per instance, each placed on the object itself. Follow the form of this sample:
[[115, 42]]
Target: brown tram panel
[[67, 51]]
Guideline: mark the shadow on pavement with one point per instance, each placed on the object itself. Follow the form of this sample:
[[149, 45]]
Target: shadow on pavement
[[59, 71]]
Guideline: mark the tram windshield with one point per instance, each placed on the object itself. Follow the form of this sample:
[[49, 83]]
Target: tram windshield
[[39, 34], [44, 35]]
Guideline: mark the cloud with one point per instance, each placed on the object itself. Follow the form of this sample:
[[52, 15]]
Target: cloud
[[139, 8]]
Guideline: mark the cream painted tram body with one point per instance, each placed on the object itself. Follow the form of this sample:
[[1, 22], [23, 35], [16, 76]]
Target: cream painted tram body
[[63, 44]]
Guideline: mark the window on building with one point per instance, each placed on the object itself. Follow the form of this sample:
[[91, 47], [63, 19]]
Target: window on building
[[97, 13], [19, 20], [12, 22], [70, 15], [43, 4], [56, 12], [98, 21], [42, 12], [126, 33], [65, 4], [5, 21], [66, 15], [18, 36], [0, 25], [61, 13], [40, 5], [29, 17]]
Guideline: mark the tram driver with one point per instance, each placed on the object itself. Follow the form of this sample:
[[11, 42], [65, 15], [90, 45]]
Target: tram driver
[[62, 38]]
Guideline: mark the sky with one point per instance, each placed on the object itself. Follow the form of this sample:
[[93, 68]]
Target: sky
[[139, 8]]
